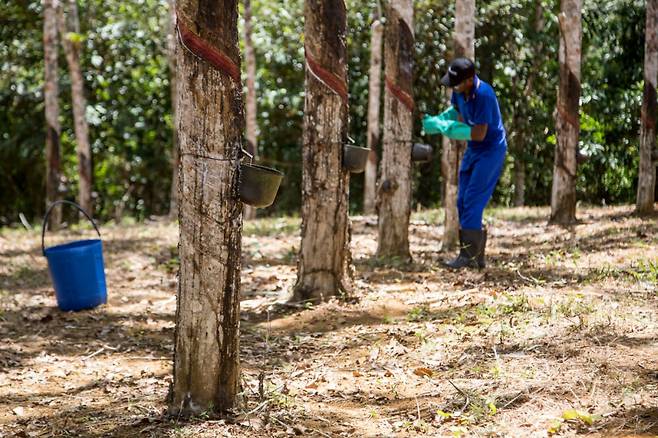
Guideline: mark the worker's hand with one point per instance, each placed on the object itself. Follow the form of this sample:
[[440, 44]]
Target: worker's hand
[[449, 128], [433, 125]]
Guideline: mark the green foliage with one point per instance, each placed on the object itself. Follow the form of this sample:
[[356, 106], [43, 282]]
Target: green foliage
[[127, 87], [128, 108]]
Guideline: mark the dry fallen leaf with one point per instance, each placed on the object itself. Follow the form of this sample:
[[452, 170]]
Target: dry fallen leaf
[[423, 372], [18, 411]]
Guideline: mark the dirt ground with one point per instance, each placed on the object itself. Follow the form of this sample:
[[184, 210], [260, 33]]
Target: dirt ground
[[557, 337]]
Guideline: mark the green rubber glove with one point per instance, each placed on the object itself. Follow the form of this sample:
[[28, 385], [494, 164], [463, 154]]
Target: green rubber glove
[[457, 130], [433, 125], [450, 128], [450, 114]]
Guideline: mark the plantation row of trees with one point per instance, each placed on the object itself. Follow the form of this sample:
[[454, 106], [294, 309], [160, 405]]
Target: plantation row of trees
[[126, 116], [209, 110], [112, 133]]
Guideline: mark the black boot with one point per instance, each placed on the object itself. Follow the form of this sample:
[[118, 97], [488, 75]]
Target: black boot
[[471, 241], [481, 255]]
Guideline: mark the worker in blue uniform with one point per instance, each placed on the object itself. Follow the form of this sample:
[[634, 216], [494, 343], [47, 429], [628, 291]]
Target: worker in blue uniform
[[473, 116]]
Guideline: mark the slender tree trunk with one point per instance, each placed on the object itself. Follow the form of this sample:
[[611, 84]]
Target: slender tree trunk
[[519, 181], [51, 96], [445, 149], [453, 151], [374, 94], [464, 46], [69, 25], [394, 192], [175, 153], [563, 199], [211, 120], [324, 257], [646, 184], [252, 126], [519, 142]]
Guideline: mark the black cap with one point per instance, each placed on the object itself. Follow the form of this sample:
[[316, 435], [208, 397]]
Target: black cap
[[459, 70]]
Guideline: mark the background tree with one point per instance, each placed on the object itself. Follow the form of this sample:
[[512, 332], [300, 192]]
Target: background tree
[[646, 185], [374, 98], [210, 113], [522, 118], [51, 97], [324, 256], [464, 45], [251, 109], [69, 28], [127, 84], [394, 190], [563, 198], [175, 156]]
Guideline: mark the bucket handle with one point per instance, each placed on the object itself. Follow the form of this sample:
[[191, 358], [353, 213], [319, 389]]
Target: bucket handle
[[245, 152], [45, 221]]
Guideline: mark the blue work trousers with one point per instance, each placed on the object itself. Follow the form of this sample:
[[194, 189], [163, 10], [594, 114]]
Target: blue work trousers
[[478, 175]]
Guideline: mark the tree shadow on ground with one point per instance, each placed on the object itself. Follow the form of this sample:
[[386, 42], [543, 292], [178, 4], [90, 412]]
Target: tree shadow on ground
[[270, 261], [26, 279], [642, 421], [116, 418], [54, 332], [35, 276]]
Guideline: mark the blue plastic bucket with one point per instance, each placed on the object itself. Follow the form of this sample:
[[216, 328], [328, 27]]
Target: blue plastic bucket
[[76, 268]]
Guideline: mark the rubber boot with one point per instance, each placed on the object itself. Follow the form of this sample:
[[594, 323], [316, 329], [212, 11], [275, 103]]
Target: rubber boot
[[482, 263], [470, 244]]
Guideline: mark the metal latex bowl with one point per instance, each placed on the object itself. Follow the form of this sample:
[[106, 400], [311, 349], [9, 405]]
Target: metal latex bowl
[[259, 184], [355, 158], [421, 152]]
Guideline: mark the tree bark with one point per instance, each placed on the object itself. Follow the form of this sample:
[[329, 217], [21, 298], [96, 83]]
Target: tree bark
[[521, 117], [324, 257], [646, 184], [175, 153], [51, 96], [69, 26], [374, 95], [519, 181], [463, 46], [252, 125], [211, 120], [563, 197], [452, 154], [394, 192]]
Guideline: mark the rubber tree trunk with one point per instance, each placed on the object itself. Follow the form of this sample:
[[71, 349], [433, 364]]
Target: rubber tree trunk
[[252, 125], [374, 102], [567, 127], [69, 26], [324, 259], [520, 144], [519, 181], [51, 96], [394, 192], [646, 185], [173, 81], [516, 140], [463, 46], [210, 124]]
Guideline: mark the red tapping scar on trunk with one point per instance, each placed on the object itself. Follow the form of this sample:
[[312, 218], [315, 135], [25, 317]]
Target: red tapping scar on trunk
[[335, 83], [401, 95], [648, 121], [208, 53], [573, 121]]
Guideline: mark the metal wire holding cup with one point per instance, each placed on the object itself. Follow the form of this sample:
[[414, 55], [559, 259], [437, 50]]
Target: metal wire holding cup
[[245, 152]]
